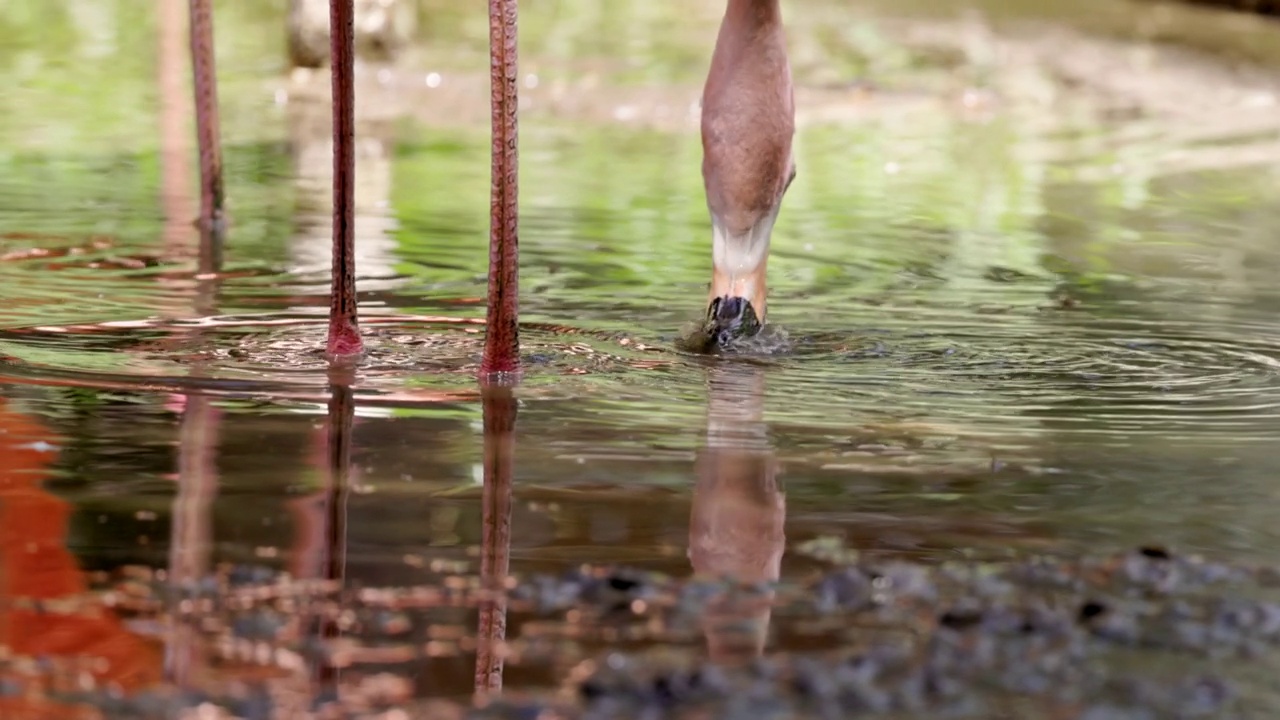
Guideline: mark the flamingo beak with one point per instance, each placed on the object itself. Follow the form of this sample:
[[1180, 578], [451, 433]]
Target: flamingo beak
[[736, 308]]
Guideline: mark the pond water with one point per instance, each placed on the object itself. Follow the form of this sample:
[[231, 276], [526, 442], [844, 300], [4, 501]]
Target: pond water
[[1027, 278]]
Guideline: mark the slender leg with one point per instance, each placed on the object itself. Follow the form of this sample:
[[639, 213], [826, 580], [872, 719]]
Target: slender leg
[[502, 341], [175, 143], [207, 128], [191, 535], [495, 560], [502, 331], [344, 329]]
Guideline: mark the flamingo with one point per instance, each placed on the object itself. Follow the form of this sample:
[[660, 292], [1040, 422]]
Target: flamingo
[[747, 127], [748, 122]]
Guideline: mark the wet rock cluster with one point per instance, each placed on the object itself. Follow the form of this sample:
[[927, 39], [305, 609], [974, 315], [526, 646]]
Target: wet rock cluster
[[1143, 634], [1117, 637], [879, 682]]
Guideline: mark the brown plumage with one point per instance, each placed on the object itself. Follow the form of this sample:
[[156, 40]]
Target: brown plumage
[[748, 116]]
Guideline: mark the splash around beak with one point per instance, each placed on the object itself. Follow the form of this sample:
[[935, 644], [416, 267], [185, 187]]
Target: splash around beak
[[728, 319], [735, 311]]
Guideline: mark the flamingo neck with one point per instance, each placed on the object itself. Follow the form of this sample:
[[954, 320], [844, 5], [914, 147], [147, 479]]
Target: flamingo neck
[[753, 13]]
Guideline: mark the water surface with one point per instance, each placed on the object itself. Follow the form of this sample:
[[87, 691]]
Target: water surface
[[1029, 309]]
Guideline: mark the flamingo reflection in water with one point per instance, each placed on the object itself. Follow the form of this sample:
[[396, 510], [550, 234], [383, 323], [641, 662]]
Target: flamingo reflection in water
[[736, 523], [747, 129]]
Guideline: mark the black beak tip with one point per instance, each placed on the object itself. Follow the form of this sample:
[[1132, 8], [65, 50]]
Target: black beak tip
[[731, 318]]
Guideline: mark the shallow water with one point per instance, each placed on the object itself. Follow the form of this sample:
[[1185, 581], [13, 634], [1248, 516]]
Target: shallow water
[[1025, 312]]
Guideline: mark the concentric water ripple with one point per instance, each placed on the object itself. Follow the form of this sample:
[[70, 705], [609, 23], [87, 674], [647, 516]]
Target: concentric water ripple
[[1224, 377]]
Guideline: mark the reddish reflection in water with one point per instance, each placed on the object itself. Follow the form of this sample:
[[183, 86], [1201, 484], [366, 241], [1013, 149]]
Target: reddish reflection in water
[[499, 406], [35, 565], [191, 537], [320, 549], [736, 523]]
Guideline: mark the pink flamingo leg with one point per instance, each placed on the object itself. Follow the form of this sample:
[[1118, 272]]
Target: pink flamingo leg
[[502, 331], [206, 90], [344, 328]]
